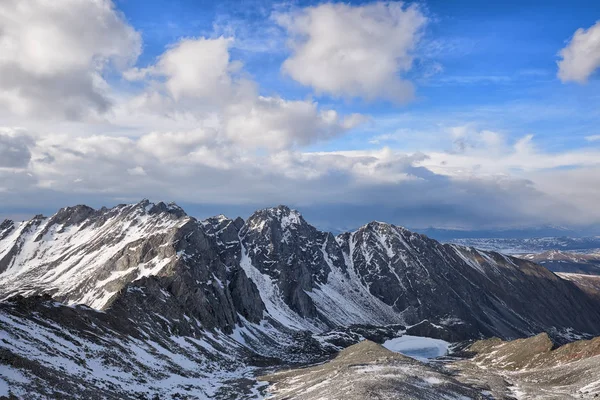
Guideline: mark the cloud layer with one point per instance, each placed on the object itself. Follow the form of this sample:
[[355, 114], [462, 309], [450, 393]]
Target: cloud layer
[[464, 187], [14, 148]]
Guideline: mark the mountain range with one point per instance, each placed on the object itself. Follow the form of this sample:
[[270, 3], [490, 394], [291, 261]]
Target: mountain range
[[143, 301]]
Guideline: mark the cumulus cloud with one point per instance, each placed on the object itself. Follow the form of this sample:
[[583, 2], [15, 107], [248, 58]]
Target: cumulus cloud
[[581, 57], [196, 67], [519, 158], [198, 129], [53, 55], [467, 138], [173, 145], [275, 123], [354, 51], [197, 78]]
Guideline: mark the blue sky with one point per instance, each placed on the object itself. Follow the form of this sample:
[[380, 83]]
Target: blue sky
[[461, 114], [498, 59]]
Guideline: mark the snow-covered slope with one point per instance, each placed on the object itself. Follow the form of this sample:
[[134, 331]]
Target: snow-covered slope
[[276, 267], [103, 355], [382, 273], [80, 255], [271, 289]]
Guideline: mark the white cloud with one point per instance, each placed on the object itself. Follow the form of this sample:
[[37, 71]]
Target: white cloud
[[173, 145], [454, 188], [197, 68], [469, 138], [354, 51], [53, 55], [497, 158], [199, 130], [274, 123], [593, 138], [581, 57], [198, 80]]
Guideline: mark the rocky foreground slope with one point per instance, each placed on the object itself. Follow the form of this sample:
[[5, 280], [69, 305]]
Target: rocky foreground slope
[[533, 368], [369, 371], [169, 305]]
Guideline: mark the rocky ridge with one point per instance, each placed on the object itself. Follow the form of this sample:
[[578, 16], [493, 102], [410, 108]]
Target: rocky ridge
[[269, 290]]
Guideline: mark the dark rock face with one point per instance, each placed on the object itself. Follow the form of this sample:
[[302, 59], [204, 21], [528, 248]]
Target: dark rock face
[[244, 293], [468, 293], [6, 227], [283, 246], [488, 292], [427, 329], [295, 275], [130, 243], [272, 289]]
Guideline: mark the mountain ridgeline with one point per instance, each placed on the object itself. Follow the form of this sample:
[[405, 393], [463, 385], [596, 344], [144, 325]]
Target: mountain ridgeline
[[276, 266], [241, 293]]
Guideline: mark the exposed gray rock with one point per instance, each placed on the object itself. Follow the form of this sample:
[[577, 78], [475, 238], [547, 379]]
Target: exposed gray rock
[[283, 246], [125, 244], [369, 371], [270, 290], [6, 227], [380, 273]]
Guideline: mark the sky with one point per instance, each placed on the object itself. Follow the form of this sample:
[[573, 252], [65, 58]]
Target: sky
[[459, 115]]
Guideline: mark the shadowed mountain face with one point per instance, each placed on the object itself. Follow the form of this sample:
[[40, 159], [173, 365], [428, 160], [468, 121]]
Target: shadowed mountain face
[[276, 266], [272, 287]]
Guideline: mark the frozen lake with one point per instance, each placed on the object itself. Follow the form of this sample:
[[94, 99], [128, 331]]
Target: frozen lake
[[418, 347]]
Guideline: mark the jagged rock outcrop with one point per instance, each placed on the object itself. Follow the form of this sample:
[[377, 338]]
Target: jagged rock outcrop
[[489, 292], [271, 289], [275, 266], [85, 256], [281, 245]]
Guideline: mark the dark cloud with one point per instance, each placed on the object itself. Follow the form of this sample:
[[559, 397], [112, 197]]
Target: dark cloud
[[14, 150]]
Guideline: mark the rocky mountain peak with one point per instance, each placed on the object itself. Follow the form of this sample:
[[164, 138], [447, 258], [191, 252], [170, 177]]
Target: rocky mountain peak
[[6, 227], [72, 215], [383, 228], [276, 261], [147, 207], [273, 286], [169, 208], [281, 216]]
